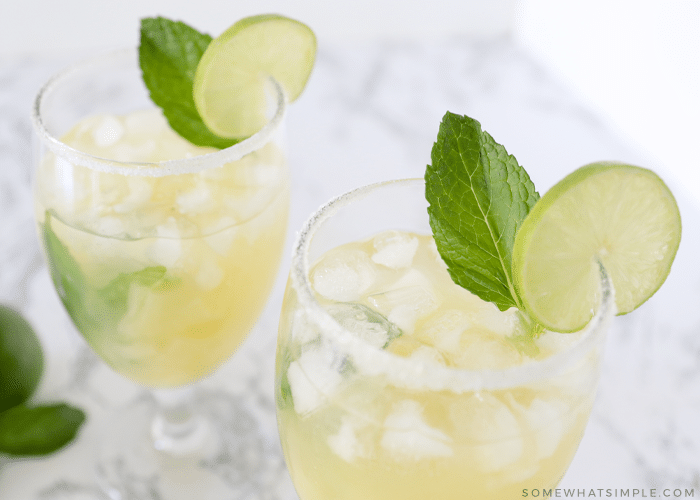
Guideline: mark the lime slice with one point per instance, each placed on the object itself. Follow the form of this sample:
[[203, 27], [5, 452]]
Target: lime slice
[[622, 216], [229, 84]]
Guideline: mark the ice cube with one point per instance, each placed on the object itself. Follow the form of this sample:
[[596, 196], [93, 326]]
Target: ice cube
[[482, 350], [140, 190], [366, 323], [210, 275], [409, 299], [303, 330], [135, 327], [445, 330], [221, 235], [487, 315], [313, 378], [110, 226], [166, 250], [344, 276], [432, 248], [394, 249], [499, 454], [547, 420], [345, 443], [108, 131], [493, 429], [144, 123], [265, 175], [408, 437], [198, 200]]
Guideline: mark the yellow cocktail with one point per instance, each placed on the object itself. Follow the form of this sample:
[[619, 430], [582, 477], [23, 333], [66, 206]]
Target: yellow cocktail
[[395, 383], [164, 275], [163, 254]]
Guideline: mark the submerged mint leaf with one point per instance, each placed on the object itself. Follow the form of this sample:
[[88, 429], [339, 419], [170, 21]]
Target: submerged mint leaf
[[38, 430], [479, 196], [168, 55], [93, 310], [67, 277], [116, 294]]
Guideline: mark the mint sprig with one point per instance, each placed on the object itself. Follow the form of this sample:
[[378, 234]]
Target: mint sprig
[[168, 55], [479, 196]]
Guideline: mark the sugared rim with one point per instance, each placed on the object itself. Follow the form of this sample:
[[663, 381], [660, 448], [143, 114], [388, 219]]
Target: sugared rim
[[415, 374], [152, 169]]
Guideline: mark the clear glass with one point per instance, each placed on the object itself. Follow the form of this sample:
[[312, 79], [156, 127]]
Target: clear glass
[[163, 266], [359, 422]]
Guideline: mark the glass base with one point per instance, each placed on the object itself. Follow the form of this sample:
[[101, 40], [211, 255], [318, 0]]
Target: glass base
[[217, 454]]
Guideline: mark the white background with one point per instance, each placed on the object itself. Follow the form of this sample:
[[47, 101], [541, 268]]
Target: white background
[[636, 63]]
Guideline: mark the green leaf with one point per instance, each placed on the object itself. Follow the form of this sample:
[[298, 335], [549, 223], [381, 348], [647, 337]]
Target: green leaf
[[168, 55], [479, 197], [21, 359], [67, 277], [92, 309], [116, 293], [40, 430], [283, 391]]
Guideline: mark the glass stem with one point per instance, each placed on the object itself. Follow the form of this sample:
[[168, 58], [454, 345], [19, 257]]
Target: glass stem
[[178, 428]]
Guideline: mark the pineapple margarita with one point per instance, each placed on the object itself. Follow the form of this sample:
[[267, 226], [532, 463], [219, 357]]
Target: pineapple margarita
[[396, 382], [421, 402], [163, 230], [163, 275], [163, 226]]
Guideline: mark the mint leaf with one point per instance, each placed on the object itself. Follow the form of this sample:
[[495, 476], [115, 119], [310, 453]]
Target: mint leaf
[[479, 196], [116, 293], [67, 277], [40, 430], [283, 391], [21, 359], [115, 296], [168, 55], [91, 309]]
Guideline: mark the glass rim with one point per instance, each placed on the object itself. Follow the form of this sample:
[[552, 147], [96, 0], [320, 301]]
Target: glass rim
[[150, 169], [416, 374]]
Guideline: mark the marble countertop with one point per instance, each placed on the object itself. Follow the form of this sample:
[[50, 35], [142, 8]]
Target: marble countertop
[[370, 113]]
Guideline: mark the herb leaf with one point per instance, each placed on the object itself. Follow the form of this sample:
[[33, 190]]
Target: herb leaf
[[40, 430], [168, 55], [479, 196], [93, 310], [67, 277]]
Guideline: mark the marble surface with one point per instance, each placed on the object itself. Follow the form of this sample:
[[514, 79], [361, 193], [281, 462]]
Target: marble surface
[[370, 113]]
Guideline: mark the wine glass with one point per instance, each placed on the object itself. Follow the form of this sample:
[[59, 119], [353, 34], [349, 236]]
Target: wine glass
[[163, 255], [367, 405]]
